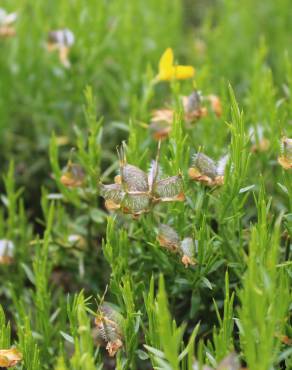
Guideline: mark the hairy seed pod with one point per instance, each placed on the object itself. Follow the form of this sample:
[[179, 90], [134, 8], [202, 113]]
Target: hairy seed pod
[[73, 176], [134, 179], [205, 165], [136, 204], [109, 328], [193, 102], [285, 159], [9, 357], [169, 189], [112, 192], [6, 252], [188, 250], [168, 238]]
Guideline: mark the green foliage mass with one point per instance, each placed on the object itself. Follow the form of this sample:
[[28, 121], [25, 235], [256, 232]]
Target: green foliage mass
[[71, 255]]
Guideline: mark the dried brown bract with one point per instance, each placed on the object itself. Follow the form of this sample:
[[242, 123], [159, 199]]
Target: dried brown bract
[[9, 357], [109, 328], [188, 251], [6, 252], [285, 159], [135, 192], [169, 239], [6, 23], [62, 41], [73, 175], [206, 170]]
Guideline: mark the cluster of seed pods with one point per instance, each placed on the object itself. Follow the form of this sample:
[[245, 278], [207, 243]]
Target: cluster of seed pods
[[169, 239], [135, 192], [195, 106]]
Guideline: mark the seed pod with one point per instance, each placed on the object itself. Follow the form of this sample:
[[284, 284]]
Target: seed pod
[[192, 102], [9, 357], [134, 179], [205, 165], [73, 175], [188, 250], [112, 192], [285, 159], [6, 252], [109, 328], [168, 238], [169, 189], [135, 204]]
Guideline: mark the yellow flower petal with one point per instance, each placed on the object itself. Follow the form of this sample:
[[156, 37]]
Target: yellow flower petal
[[168, 71], [183, 72], [166, 60]]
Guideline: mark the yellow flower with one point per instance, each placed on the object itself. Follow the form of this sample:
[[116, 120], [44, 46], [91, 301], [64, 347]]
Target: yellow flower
[[168, 71]]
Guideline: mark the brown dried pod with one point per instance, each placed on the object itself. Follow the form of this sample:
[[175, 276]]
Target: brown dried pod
[[285, 159], [192, 105], [6, 252], [187, 247], [206, 170], [169, 189], [113, 192], [109, 328], [136, 204], [9, 357], [168, 238], [73, 175]]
